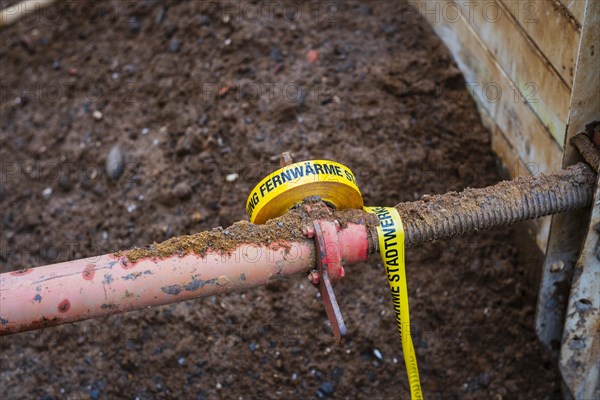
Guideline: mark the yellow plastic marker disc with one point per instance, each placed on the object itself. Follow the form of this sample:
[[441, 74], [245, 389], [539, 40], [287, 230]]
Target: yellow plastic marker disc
[[284, 188]]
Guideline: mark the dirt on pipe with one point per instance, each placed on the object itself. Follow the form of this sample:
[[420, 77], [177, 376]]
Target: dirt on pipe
[[285, 228], [199, 101], [454, 213]]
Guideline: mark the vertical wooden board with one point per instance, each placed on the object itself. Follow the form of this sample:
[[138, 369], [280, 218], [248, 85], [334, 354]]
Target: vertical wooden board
[[585, 102], [576, 8], [538, 228], [551, 29], [546, 93], [567, 233], [496, 94]]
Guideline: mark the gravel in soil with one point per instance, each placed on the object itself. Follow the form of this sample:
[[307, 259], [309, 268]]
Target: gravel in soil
[[200, 99]]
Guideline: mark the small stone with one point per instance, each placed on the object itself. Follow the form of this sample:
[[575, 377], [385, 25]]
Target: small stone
[[170, 30], [326, 388], [484, 379], [184, 145], [114, 162], [95, 394], [202, 119], [378, 354], [181, 361], [182, 190], [145, 131], [64, 182], [231, 177], [174, 45], [46, 193], [219, 386], [197, 217], [56, 65], [252, 346], [97, 115], [160, 17], [131, 208], [275, 54], [227, 42], [337, 373], [129, 69], [134, 25]]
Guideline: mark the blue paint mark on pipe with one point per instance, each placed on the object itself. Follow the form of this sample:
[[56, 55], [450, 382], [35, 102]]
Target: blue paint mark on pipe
[[37, 298], [193, 285], [135, 275]]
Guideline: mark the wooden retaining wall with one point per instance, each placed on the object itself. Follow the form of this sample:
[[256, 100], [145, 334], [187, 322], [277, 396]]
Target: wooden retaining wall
[[532, 68]]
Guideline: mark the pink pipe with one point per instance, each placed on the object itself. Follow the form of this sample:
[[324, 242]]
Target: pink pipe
[[88, 288]]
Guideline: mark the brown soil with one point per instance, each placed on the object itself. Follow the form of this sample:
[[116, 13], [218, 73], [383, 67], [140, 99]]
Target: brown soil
[[193, 93]]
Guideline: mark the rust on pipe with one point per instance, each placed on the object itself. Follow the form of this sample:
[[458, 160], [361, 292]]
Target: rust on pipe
[[88, 288], [246, 255]]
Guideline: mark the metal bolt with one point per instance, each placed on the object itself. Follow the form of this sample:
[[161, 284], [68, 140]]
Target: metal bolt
[[313, 276], [286, 159]]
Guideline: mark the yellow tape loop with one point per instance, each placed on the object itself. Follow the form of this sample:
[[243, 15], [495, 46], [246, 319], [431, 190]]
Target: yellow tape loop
[[284, 188], [336, 184], [391, 246]]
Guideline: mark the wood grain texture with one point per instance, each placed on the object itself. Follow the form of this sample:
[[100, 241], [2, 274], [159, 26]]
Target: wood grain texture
[[545, 91], [552, 31], [576, 8], [495, 92]]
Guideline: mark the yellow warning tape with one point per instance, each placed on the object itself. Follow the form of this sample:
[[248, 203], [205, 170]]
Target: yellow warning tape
[[336, 184], [391, 246], [281, 190]]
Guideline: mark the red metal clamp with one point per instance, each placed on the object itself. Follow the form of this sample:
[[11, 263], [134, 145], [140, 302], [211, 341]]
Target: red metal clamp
[[329, 270]]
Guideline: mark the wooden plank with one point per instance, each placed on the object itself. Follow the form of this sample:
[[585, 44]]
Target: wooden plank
[[495, 93], [543, 89], [552, 30], [538, 228], [576, 8]]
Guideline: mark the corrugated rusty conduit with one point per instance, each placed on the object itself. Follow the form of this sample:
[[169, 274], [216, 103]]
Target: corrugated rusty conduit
[[451, 214], [81, 289]]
